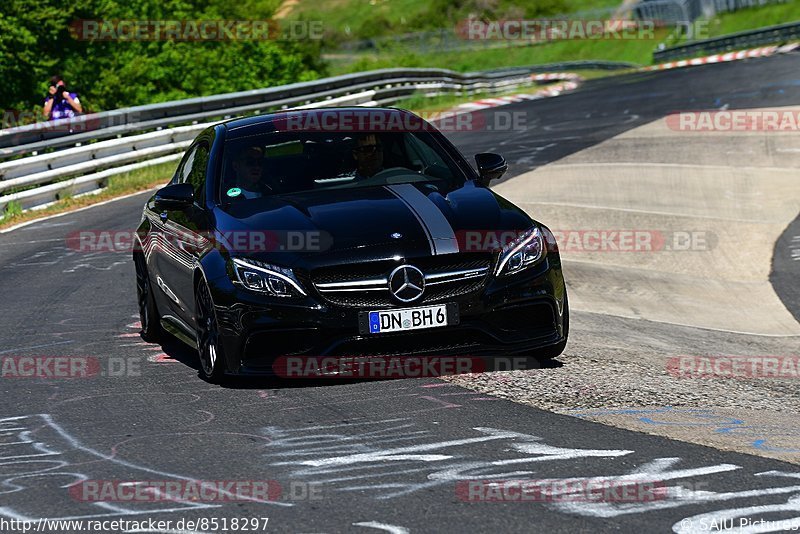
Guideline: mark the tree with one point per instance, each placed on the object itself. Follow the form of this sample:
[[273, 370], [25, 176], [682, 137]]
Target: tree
[[36, 41]]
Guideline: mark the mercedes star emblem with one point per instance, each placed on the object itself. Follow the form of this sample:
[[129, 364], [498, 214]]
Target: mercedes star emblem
[[407, 283]]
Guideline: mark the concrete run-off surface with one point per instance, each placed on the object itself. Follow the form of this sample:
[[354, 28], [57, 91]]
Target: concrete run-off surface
[[708, 208]]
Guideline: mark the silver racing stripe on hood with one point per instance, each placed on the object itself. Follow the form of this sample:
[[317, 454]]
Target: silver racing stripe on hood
[[441, 237]]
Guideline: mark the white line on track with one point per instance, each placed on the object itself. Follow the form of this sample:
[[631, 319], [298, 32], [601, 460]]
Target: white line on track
[[55, 215]]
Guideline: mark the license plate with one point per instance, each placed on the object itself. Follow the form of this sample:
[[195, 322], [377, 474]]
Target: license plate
[[378, 322]]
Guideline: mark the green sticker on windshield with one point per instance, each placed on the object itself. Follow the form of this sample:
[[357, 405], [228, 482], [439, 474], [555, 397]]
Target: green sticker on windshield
[[234, 192]]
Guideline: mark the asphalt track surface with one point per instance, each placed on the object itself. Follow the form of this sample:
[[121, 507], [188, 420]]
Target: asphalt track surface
[[379, 456]]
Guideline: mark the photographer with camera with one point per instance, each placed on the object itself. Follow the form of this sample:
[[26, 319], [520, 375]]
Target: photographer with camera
[[61, 104]]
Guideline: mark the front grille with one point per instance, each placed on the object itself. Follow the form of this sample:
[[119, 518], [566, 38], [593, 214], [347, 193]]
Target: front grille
[[366, 284]]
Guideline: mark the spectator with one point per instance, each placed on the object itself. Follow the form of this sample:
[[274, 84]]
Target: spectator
[[61, 103]]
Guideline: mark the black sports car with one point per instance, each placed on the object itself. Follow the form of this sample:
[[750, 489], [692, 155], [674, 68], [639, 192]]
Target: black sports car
[[343, 232]]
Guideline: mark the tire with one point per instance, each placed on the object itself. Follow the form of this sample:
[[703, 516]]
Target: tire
[[209, 348], [148, 311]]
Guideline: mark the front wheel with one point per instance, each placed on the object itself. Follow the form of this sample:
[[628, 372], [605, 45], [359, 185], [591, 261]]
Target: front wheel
[[209, 347]]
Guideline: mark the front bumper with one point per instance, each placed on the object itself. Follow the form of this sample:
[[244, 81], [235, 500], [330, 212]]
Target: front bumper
[[517, 314]]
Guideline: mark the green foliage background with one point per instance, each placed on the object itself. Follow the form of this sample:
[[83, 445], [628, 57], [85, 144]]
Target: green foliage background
[[367, 19], [35, 43]]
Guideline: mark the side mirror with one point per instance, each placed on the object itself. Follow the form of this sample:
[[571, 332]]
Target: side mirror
[[490, 167], [174, 197]]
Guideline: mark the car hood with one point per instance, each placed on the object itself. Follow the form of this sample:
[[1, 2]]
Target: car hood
[[362, 224]]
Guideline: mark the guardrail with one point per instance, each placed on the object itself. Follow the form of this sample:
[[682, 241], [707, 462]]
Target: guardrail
[[160, 132], [780, 33], [109, 124], [161, 114]]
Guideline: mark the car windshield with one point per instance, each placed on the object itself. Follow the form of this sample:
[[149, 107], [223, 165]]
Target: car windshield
[[281, 163]]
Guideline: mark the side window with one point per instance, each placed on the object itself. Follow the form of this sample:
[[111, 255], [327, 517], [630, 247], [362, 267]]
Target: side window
[[183, 167], [196, 174], [188, 163]]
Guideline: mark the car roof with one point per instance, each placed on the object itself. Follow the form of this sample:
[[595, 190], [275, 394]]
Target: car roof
[[246, 126]]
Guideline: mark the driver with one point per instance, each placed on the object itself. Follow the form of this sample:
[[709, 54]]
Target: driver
[[247, 168], [368, 154]]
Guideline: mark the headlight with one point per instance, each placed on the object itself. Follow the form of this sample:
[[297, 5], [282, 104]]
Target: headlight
[[266, 278], [524, 251]]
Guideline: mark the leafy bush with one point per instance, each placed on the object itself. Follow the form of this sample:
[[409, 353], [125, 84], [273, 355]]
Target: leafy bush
[[35, 42]]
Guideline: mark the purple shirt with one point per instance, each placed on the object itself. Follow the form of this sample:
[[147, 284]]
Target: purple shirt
[[62, 110]]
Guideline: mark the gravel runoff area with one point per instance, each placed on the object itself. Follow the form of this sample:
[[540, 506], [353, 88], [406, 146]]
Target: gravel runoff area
[[614, 367]]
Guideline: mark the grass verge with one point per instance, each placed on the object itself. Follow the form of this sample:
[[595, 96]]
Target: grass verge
[[749, 19], [633, 51], [364, 19]]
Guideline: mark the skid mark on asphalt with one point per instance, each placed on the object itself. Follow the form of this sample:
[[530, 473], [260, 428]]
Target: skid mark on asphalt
[[25, 349], [91, 267], [357, 457], [159, 357], [350, 457], [72, 260], [441, 402], [172, 397], [465, 396], [36, 449], [115, 449]]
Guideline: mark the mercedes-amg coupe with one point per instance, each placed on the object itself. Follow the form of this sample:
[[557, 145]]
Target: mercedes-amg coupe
[[343, 232]]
